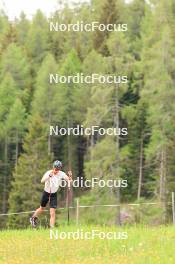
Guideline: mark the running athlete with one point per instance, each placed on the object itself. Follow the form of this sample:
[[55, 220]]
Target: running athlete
[[52, 180]]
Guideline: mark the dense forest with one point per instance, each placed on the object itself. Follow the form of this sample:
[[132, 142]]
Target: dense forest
[[145, 105]]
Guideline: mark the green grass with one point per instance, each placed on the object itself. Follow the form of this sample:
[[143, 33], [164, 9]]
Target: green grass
[[145, 245]]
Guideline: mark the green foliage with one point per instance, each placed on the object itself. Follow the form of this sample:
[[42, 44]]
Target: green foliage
[[32, 164], [15, 62], [44, 101], [23, 27], [17, 118], [70, 65], [29, 52], [37, 39], [109, 14]]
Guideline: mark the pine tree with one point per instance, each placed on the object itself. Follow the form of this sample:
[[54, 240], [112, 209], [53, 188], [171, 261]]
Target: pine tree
[[133, 152], [7, 94], [32, 164], [159, 93], [97, 108], [16, 123], [15, 83], [45, 101], [136, 13], [22, 27], [109, 14], [37, 39], [67, 102], [4, 29], [14, 61]]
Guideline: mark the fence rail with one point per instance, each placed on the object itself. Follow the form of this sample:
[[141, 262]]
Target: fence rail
[[78, 207], [88, 206]]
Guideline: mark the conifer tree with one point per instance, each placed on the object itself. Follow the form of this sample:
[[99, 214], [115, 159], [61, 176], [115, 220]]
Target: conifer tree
[[16, 124], [37, 39], [67, 102], [32, 164], [45, 101], [22, 27], [159, 93], [7, 94], [4, 29], [109, 14], [14, 61]]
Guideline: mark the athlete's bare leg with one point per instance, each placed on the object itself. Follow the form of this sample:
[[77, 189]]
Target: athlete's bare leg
[[52, 217], [38, 211]]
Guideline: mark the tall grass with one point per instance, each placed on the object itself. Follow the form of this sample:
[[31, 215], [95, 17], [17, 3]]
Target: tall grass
[[145, 245]]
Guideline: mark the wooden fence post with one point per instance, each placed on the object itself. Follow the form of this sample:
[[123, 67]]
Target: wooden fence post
[[173, 207]]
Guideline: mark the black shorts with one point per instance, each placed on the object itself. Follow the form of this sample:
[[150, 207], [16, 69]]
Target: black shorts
[[45, 199]]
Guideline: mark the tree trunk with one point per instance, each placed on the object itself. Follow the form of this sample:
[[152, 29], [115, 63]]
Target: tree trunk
[[69, 149], [140, 169], [4, 196], [49, 136], [162, 192], [116, 125], [91, 147], [17, 149]]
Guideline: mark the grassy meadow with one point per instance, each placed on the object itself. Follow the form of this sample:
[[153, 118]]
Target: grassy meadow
[[144, 245]]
